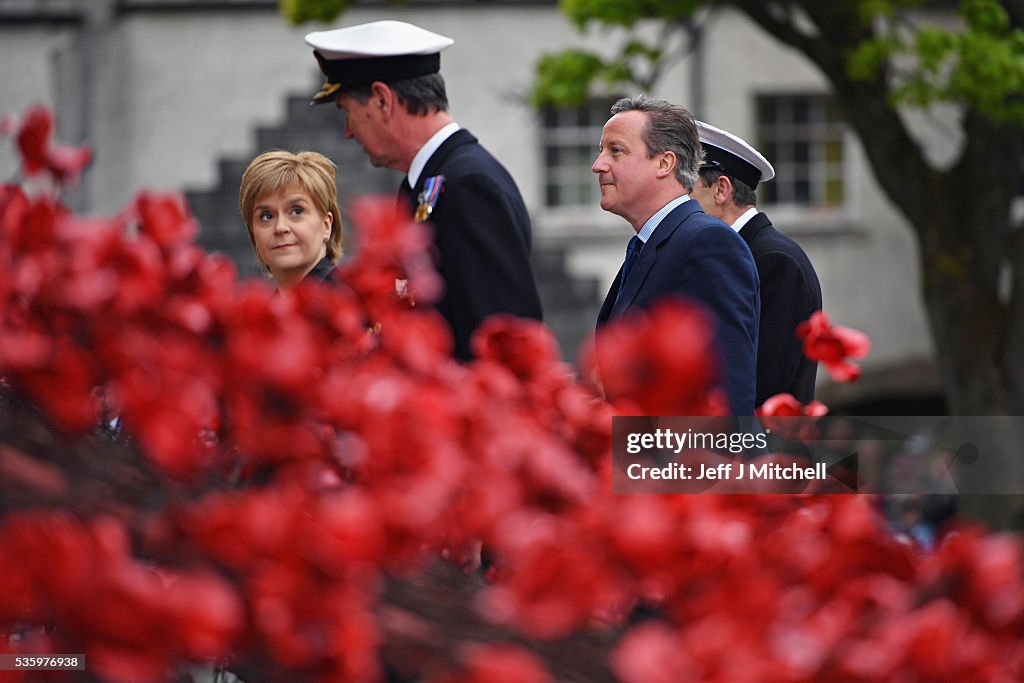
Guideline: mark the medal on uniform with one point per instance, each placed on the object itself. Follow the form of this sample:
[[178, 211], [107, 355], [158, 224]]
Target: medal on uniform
[[428, 197]]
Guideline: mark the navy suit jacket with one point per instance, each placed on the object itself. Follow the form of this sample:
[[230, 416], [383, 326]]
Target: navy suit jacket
[[482, 237], [790, 293], [693, 255]]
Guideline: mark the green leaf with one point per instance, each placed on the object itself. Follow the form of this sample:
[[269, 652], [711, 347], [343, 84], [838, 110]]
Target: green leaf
[[870, 10], [565, 79], [627, 12], [933, 46], [301, 11], [987, 16], [618, 72], [638, 48], [867, 61]]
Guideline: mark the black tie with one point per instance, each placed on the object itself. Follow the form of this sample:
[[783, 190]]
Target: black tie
[[632, 251]]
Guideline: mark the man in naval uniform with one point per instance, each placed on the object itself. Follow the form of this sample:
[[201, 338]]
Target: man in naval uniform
[[385, 76], [790, 291]]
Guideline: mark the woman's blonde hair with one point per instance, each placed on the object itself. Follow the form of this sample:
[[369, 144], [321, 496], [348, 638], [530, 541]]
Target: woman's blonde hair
[[278, 169]]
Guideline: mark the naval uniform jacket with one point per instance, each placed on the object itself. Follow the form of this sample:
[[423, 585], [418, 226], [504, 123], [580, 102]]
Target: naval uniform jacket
[[482, 238], [790, 293], [695, 256]]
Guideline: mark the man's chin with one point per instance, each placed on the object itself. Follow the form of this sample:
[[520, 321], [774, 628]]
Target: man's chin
[[381, 162]]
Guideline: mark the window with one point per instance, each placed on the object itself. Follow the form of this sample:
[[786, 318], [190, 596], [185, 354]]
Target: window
[[802, 137], [571, 136]]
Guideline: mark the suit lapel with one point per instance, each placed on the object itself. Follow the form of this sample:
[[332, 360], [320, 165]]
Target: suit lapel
[[409, 197], [645, 262], [609, 299], [437, 159]]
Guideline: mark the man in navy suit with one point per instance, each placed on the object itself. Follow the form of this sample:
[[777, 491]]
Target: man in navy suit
[[790, 291], [647, 166], [385, 76]]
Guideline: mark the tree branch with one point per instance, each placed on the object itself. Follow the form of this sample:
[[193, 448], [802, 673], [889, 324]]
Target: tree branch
[[910, 183]]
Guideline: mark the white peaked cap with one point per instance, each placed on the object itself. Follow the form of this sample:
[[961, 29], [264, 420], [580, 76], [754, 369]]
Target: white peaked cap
[[733, 155], [377, 39], [385, 51]]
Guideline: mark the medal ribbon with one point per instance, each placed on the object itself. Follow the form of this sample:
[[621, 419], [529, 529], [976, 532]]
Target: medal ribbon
[[428, 197]]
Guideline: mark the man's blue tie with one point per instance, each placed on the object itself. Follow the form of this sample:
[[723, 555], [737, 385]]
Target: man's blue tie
[[632, 251]]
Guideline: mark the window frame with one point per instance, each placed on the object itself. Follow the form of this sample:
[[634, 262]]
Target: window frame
[[807, 180], [575, 138]]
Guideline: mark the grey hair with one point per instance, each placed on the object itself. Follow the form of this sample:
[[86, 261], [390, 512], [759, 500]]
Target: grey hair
[[670, 128], [420, 95], [742, 194]]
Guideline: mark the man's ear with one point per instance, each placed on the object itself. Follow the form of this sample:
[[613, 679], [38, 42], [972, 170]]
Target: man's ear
[[383, 98], [723, 190], [666, 164]]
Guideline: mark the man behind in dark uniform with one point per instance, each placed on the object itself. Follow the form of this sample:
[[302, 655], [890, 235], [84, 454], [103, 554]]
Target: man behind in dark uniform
[[385, 76], [790, 292]]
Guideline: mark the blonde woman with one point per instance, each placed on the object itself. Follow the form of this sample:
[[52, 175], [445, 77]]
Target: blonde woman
[[290, 206]]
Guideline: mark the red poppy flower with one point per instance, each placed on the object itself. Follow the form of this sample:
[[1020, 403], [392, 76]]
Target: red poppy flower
[[38, 153], [833, 345], [34, 139], [165, 218], [663, 360], [503, 664], [785, 405], [526, 347], [787, 417], [392, 248], [66, 163], [653, 653]]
